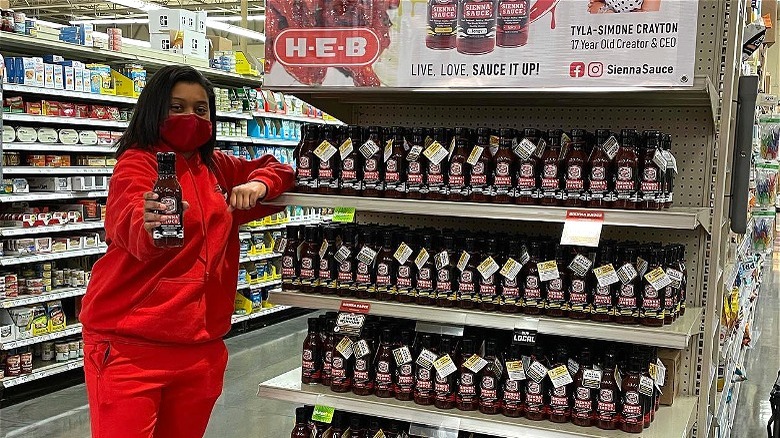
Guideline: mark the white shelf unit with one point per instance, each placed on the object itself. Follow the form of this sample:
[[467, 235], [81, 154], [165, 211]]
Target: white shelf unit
[[271, 283], [75, 226], [70, 330], [56, 147], [257, 141], [259, 257], [32, 118], [44, 371], [35, 258], [57, 294], [51, 196], [234, 115], [66, 170], [265, 312], [304, 119], [675, 421], [77, 95]]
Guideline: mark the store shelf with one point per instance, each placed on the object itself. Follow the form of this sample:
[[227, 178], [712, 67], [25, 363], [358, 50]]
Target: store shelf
[[66, 170], [52, 93], [68, 331], [56, 147], [32, 118], [257, 141], [57, 294], [34, 258], [676, 335], [51, 196], [152, 60], [259, 285], [76, 226], [676, 219], [233, 115], [45, 371], [669, 422], [304, 119], [265, 312], [259, 257]]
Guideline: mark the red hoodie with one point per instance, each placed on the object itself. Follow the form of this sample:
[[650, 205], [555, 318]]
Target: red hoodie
[[139, 292]]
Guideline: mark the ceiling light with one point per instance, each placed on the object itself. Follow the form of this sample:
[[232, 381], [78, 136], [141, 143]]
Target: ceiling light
[[139, 4], [234, 18], [111, 21], [50, 24], [214, 24]]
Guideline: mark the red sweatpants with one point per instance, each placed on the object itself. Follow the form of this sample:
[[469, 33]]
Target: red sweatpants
[[148, 391]]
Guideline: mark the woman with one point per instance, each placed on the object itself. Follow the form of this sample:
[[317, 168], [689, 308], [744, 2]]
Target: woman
[[154, 317]]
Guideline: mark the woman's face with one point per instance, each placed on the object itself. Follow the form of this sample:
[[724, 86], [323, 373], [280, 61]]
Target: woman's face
[[189, 98]]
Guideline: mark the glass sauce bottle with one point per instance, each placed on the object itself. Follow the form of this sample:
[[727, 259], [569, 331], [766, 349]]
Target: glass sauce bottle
[[424, 281], [467, 398], [328, 271], [403, 387], [476, 27], [609, 395], [327, 351], [627, 310], [445, 297], [625, 173], [527, 192], [415, 185], [467, 280], [309, 260], [632, 420], [604, 296], [365, 277], [585, 397], [301, 428], [479, 171], [509, 287], [532, 287], [456, 180], [560, 398], [512, 405], [341, 369], [384, 365], [373, 168], [290, 266], [487, 293], [363, 375], [170, 234], [423, 387], [305, 170], [535, 402], [555, 289], [652, 176], [652, 310], [600, 189], [385, 267], [328, 170], [434, 173], [395, 175], [444, 387], [311, 358], [504, 169], [346, 268], [405, 272], [666, 143], [351, 160], [512, 23], [579, 294], [550, 175], [574, 170], [490, 381]]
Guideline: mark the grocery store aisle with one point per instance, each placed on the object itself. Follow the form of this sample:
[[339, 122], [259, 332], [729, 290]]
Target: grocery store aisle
[[763, 362], [254, 357]]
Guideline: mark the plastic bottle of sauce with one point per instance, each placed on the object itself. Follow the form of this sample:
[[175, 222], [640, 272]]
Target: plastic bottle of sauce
[[405, 272], [550, 175], [404, 374], [423, 387], [456, 180], [652, 312], [512, 23], [490, 381], [671, 292], [351, 160], [328, 271], [444, 387], [341, 369], [363, 374], [652, 176], [580, 293], [306, 170], [528, 190], [171, 233], [365, 285], [482, 167], [384, 365], [575, 169], [560, 398], [442, 24], [604, 297], [467, 280], [395, 170], [290, 266], [504, 169], [425, 288], [627, 310], [309, 260], [536, 395], [509, 287], [346, 265], [415, 184], [555, 290], [356, 429], [386, 267], [487, 293], [608, 396], [327, 351], [328, 170], [337, 426], [373, 429], [631, 416], [585, 392], [467, 396], [626, 165], [532, 286], [434, 172], [301, 429], [512, 405], [666, 143], [373, 168], [445, 297], [648, 401], [600, 189], [476, 26], [311, 359]]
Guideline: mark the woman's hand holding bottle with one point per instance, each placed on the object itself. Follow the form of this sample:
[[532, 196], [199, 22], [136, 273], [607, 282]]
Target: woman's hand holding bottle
[[151, 211]]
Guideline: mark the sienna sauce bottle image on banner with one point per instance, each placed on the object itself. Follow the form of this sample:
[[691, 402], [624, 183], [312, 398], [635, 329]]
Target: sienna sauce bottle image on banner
[[560, 398], [306, 170], [309, 259], [415, 181], [600, 187], [528, 191], [351, 160], [467, 280], [311, 358], [423, 387], [442, 24], [363, 369], [424, 290], [477, 26], [580, 294], [373, 164], [477, 177], [327, 351], [608, 406], [290, 266], [555, 290], [385, 268], [652, 176], [627, 309], [585, 397], [405, 272], [631, 416], [467, 398], [487, 293], [456, 179], [509, 287], [512, 23], [170, 234], [403, 383], [384, 365], [512, 405], [346, 265], [445, 386], [434, 173], [604, 296], [445, 295], [550, 164], [328, 170], [536, 397], [504, 169], [626, 166], [328, 272], [490, 381], [530, 283], [574, 169], [395, 169]]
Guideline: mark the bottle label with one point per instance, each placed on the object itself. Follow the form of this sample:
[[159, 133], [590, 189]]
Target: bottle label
[[345, 272], [574, 178], [534, 400], [488, 390], [625, 182], [632, 409], [477, 19], [532, 293], [424, 382], [512, 17], [442, 387], [512, 394], [383, 274], [466, 387], [598, 179], [384, 379], [405, 376], [371, 171], [502, 177], [583, 402], [403, 280], [309, 362], [414, 175]]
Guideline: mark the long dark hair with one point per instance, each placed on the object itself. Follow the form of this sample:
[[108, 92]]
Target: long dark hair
[[143, 132]]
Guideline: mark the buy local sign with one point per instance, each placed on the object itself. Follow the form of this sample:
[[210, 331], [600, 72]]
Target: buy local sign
[[481, 43]]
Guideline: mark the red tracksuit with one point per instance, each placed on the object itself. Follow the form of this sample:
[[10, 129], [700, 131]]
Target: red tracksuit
[[154, 318]]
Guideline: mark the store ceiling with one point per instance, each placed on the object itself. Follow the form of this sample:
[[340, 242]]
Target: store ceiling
[[62, 11]]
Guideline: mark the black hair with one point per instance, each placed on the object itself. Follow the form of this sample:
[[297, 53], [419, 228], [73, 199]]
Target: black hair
[[143, 131]]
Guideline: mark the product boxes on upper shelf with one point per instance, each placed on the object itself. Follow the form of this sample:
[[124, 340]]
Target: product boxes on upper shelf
[[164, 20], [185, 42]]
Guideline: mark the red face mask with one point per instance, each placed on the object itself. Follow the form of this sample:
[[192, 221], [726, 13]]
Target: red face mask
[[185, 133]]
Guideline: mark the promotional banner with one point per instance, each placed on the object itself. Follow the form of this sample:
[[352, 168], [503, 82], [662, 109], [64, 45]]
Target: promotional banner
[[480, 43]]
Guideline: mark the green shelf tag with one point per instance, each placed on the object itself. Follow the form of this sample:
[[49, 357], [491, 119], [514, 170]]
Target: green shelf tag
[[323, 414], [344, 214]]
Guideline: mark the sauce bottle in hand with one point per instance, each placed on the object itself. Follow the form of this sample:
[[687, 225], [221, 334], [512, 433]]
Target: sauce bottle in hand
[[170, 234]]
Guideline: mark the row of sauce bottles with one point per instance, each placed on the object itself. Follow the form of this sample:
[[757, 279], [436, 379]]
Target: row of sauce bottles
[[490, 273], [550, 380], [526, 167]]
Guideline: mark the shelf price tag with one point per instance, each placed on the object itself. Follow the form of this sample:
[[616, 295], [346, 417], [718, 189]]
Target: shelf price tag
[[435, 152], [475, 154], [560, 376], [658, 278], [402, 355], [591, 379], [524, 149], [345, 347], [403, 253], [582, 228], [537, 371], [344, 214], [511, 268], [346, 148], [426, 359], [548, 270], [444, 366], [475, 363], [325, 150], [515, 370], [488, 267], [323, 414], [606, 275]]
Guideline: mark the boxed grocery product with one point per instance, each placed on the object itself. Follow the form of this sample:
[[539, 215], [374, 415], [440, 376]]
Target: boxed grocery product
[[48, 75], [104, 138], [7, 327], [50, 108], [69, 136], [101, 81], [59, 244], [218, 43], [47, 135], [112, 113], [82, 183], [53, 59], [75, 242], [26, 134], [672, 360], [21, 318], [9, 134], [69, 78], [199, 45], [59, 77], [67, 109], [91, 240], [33, 108], [29, 75], [163, 20], [50, 184], [88, 137], [124, 85], [56, 315], [13, 104], [78, 79], [39, 324], [101, 183], [43, 244], [82, 111]]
